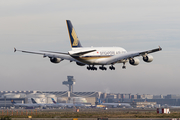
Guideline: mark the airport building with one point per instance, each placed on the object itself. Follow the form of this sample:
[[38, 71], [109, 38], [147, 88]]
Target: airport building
[[45, 97], [69, 96], [89, 98]]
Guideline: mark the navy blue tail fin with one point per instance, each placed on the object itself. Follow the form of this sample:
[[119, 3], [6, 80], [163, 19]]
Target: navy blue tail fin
[[13, 102], [33, 101], [75, 43], [99, 101]]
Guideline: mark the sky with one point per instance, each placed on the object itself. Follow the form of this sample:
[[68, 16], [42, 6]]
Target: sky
[[132, 24]]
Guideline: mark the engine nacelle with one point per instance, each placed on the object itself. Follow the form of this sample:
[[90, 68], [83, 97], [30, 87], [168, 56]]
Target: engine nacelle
[[134, 61], [55, 60], [80, 64], [148, 58]]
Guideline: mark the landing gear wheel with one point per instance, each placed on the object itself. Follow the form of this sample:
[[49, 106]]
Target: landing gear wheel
[[102, 68], [88, 67], [111, 67], [123, 67]]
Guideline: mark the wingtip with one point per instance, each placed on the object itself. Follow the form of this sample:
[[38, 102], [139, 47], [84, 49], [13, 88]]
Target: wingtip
[[14, 49]]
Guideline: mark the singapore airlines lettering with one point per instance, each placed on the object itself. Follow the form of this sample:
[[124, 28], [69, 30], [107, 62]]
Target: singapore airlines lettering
[[111, 52], [93, 56]]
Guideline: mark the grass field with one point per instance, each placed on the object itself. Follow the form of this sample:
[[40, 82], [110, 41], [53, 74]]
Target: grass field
[[89, 113]]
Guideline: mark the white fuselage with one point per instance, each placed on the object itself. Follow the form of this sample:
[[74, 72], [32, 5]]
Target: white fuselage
[[26, 105], [98, 57]]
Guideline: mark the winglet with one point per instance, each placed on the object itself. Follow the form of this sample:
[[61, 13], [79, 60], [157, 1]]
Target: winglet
[[14, 49], [160, 48]]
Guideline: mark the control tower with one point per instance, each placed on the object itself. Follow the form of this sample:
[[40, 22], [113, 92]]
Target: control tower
[[69, 83]]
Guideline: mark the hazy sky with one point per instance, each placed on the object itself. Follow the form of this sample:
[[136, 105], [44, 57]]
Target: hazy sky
[[131, 24]]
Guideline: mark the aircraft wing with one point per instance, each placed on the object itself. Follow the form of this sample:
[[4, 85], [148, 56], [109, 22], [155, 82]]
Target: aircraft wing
[[129, 55], [51, 54]]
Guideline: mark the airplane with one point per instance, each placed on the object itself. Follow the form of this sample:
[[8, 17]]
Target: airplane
[[23, 105], [114, 104], [47, 104], [58, 104], [69, 104], [92, 56]]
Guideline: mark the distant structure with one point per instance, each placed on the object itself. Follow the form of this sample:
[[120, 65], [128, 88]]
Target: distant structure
[[69, 83]]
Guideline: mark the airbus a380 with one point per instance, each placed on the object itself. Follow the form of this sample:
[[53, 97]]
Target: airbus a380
[[92, 56]]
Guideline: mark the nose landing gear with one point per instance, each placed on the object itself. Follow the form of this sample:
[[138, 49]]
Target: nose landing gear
[[123, 67]]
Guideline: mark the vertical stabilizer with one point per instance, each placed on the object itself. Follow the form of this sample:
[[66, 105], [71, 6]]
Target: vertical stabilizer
[[13, 102], [99, 101], [53, 101], [75, 43], [33, 101]]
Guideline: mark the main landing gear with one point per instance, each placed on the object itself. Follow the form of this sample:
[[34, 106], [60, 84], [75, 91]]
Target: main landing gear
[[112, 67], [103, 68], [91, 68]]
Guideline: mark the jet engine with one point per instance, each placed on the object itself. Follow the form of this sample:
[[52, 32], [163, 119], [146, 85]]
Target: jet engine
[[148, 58], [80, 64], [55, 60], [134, 61]]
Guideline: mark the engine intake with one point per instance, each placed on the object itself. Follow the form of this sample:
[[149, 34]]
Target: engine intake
[[134, 61], [55, 60], [148, 58]]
